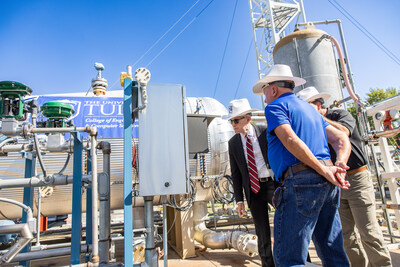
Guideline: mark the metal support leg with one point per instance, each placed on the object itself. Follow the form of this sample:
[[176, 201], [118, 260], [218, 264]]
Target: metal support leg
[[38, 218], [165, 233], [89, 222], [104, 197], [76, 231], [150, 251], [28, 198], [128, 224], [95, 198]]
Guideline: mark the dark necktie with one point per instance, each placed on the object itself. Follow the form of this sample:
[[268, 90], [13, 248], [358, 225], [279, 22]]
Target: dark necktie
[[251, 163]]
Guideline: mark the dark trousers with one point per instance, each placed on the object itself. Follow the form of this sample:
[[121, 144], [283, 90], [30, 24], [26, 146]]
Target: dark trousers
[[259, 211]]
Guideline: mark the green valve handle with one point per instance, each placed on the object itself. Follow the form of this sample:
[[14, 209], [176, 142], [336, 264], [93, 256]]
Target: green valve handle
[[57, 113], [57, 110], [11, 89], [11, 95]]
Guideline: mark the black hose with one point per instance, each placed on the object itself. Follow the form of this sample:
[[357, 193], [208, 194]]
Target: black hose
[[65, 164], [190, 201], [218, 189], [39, 155]]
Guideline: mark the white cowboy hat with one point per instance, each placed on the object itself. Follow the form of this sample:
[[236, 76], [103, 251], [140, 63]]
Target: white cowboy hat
[[278, 72], [310, 94], [238, 107]]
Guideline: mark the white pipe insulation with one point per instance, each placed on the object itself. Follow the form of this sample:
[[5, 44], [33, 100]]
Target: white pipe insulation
[[245, 243]]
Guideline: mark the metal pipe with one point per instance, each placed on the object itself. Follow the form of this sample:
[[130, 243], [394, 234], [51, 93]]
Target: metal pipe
[[150, 253], [165, 234], [5, 141], [243, 242], [53, 246], [376, 134], [64, 245], [338, 103], [39, 196], [68, 230], [210, 238], [26, 237], [23, 229], [303, 12], [16, 148], [66, 147], [22, 182], [87, 129], [27, 209], [387, 133], [39, 207], [95, 197], [105, 210], [37, 181], [90, 264], [213, 209], [34, 255], [296, 47], [202, 234]]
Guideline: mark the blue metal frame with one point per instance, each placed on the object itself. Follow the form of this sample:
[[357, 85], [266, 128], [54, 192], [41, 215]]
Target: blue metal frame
[[89, 223], [28, 200], [76, 201], [128, 224]]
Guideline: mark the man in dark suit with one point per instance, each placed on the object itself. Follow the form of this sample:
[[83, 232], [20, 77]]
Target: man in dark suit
[[251, 173]]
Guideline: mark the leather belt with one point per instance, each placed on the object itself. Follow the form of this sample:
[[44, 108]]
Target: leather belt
[[264, 179], [363, 168], [302, 167]]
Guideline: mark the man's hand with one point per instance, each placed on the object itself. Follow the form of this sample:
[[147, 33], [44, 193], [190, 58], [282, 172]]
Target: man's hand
[[336, 175], [342, 173], [342, 165], [240, 210]]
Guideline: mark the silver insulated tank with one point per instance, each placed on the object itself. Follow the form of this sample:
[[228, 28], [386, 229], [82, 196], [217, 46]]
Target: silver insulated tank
[[219, 133], [312, 58]]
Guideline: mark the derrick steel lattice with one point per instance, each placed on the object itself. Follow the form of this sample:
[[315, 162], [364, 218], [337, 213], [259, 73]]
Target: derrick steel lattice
[[269, 19]]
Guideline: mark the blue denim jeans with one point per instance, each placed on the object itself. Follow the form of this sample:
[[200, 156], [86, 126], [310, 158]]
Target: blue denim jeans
[[307, 208]]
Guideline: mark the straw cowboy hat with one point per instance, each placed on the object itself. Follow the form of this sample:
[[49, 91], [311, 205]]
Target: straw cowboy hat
[[310, 94], [238, 107], [278, 72]]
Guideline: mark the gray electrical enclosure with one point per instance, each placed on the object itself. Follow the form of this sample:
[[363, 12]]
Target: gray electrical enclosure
[[198, 133], [163, 144]]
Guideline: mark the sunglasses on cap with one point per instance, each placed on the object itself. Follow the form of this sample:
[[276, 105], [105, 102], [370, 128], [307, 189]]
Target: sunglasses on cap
[[236, 121]]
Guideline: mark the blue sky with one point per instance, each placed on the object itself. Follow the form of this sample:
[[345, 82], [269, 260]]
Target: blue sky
[[52, 45]]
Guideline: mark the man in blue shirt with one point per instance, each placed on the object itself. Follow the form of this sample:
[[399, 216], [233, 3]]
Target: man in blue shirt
[[307, 200], [363, 240]]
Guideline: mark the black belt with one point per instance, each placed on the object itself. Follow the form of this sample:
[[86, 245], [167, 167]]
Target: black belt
[[264, 179], [302, 167]]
